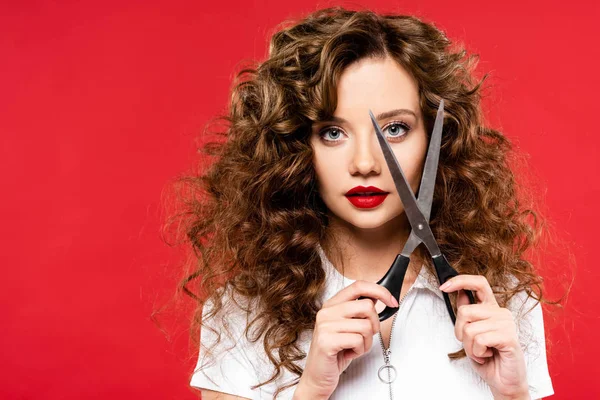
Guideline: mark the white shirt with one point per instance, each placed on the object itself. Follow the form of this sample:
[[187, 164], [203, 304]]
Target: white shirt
[[422, 336]]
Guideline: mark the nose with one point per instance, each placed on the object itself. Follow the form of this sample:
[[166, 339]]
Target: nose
[[365, 160]]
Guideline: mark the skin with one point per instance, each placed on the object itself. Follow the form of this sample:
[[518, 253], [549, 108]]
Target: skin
[[347, 154], [354, 158], [489, 336]]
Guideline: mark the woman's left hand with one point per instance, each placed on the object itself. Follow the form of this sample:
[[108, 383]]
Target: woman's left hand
[[489, 336]]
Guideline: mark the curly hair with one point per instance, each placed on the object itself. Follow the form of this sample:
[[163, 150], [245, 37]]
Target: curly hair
[[254, 218]]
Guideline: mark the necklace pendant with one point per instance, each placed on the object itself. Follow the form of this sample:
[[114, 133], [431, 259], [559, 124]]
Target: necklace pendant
[[387, 373]]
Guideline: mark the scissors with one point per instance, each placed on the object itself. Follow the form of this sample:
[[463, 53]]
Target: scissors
[[418, 213]]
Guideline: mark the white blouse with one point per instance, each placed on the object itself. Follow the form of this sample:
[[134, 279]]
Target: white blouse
[[422, 336]]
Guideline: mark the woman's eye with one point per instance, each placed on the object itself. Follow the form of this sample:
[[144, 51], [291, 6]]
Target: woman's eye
[[396, 130], [332, 134]]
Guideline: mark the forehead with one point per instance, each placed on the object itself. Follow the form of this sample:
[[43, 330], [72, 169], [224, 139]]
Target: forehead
[[376, 84]]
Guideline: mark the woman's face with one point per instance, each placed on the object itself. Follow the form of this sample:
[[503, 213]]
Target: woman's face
[[347, 154]]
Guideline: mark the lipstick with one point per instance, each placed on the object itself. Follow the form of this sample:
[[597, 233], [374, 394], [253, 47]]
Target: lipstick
[[366, 197]]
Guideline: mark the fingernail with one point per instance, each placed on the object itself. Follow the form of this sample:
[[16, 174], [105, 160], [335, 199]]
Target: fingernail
[[446, 285], [395, 302]]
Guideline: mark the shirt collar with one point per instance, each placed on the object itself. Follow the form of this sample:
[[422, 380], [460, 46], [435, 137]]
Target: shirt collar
[[428, 280], [425, 279]]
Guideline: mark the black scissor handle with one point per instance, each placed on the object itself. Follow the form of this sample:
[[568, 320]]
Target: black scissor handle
[[444, 272], [392, 281]]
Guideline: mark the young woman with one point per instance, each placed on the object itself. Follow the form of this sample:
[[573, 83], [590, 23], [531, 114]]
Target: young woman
[[298, 217]]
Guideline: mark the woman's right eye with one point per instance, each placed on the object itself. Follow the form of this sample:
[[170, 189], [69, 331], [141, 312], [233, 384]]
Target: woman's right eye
[[332, 134]]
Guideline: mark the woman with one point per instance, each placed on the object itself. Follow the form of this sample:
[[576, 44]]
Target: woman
[[298, 217]]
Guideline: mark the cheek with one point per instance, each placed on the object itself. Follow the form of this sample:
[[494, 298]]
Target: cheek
[[412, 163], [323, 169], [413, 171], [330, 164]]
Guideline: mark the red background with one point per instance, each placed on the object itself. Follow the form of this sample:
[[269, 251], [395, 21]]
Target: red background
[[99, 106]]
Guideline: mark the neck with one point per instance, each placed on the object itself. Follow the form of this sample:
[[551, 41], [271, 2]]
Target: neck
[[367, 254]]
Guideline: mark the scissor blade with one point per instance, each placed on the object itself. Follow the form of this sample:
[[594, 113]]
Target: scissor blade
[[427, 186], [426, 189], [417, 220]]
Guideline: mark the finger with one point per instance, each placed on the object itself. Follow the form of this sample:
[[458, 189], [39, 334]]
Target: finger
[[462, 299], [358, 309], [362, 309], [361, 326], [472, 330], [476, 283], [365, 289], [471, 313], [490, 340], [346, 341], [503, 337], [468, 346], [481, 351]]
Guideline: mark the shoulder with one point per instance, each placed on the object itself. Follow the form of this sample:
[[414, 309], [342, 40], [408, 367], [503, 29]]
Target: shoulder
[[529, 319], [527, 312], [232, 358], [225, 326], [523, 302], [232, 307], [228, 361]]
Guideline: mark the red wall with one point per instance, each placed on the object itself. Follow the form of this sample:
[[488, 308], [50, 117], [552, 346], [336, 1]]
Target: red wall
[[99, 105]]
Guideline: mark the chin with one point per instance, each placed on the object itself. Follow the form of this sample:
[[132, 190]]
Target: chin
[[371, 219], [371, 224]]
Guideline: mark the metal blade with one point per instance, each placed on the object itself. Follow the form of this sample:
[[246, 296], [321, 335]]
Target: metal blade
[[411, 244], [427, 186], [417, 220], [426, 189]]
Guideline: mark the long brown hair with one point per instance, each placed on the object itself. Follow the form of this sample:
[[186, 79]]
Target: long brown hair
[[254, 218]]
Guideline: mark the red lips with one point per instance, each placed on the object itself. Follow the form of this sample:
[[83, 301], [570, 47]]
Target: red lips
[[364, 190], [366, 197]]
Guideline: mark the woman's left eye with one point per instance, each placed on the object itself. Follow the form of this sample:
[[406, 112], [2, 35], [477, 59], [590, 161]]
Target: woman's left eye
[[396, 130]]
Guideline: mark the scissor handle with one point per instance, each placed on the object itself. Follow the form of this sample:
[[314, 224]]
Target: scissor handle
[[392, 281], [444, 272]]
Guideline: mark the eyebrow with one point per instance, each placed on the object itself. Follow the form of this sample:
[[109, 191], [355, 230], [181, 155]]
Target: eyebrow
[[383, 115]]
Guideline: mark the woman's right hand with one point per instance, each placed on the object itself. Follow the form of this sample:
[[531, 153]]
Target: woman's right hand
[[343, 331]]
